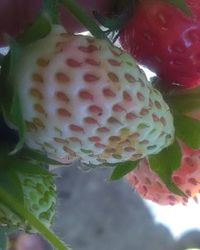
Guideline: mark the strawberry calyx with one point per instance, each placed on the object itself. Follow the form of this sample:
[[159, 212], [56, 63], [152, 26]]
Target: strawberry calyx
[[12, 171]]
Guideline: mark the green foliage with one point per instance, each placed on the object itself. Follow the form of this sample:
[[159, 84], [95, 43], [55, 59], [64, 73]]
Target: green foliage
[[188, 130], [37, 30], [10, 102], [79, 13], [165, 163], [37, 156], [51, 7], [11, 192], [10, 201], [122, 169], [185, 101]]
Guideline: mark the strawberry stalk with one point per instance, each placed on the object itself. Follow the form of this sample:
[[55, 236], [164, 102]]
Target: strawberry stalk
[[51, 7], [13, 204], [84, 18]]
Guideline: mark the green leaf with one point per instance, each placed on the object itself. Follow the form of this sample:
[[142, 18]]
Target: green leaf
[[51, 7], [38, 156], [9, 99], [3, 238], [26, 167], [122, 169], [185, 101], [188, 130], [8, 176], [39, 29], [193, 92], [16, 118], [184, 105], [16, 207], [165, 163], [83, 17], [11, 194], [10, 181], [181, 4]]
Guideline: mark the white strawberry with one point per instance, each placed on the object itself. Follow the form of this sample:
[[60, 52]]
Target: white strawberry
[[187, 178], [83, 98]]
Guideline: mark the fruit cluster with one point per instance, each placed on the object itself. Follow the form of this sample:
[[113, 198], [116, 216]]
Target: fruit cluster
[[165, 39], [67, 97]]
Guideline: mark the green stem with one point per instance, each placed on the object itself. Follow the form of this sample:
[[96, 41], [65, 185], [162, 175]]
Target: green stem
[[51, 7], [84, 18], [23, 213]]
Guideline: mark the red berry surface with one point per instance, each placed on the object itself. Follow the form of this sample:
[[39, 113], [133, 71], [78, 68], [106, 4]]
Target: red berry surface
[[161, 37], [187, 178]]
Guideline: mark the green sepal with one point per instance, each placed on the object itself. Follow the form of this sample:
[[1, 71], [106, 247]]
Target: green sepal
[[9, 99], [10, 102], [37, 30], [185, 101], [51, 7], [38, 157], [181, 4], [16, 207], [9, 180], [123, 169], [3, 238], [11, 193], [15, 116], [25, 167], [165, 163], [187, 130]]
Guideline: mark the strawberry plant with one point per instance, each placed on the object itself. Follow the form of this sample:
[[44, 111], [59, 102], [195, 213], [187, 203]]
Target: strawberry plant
[[67, 97]]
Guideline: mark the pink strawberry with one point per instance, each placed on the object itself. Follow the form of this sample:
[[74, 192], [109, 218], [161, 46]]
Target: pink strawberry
[[161, 37], [187, 178], [83, 98]]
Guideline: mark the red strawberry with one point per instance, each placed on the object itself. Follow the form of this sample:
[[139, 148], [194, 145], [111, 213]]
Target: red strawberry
[[163, 38], [186, 177]]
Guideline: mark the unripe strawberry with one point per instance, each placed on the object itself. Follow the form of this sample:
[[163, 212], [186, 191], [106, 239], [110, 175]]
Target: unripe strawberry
[[39, 194], [82, 98], [187, 178]]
